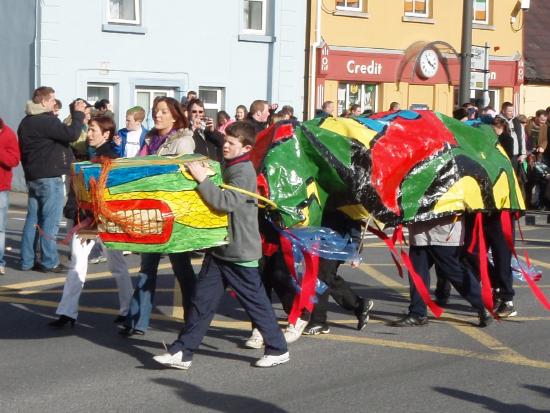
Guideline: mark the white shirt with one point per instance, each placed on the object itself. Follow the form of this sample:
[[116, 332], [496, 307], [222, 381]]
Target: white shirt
[[132, 143]]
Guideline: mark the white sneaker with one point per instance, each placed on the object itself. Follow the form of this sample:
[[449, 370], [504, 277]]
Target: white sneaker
[[255, 340], [173, 360], [272, 361], [126, 252], [294, 331], [2, 270]]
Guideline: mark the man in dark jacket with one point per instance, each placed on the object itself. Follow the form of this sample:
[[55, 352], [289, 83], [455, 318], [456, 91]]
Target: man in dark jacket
[[46, 158]]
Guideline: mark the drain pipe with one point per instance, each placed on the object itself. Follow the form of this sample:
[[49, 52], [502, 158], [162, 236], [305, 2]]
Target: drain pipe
[[313, 72]]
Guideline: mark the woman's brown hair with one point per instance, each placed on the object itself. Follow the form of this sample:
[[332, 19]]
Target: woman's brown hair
[[175, 109]]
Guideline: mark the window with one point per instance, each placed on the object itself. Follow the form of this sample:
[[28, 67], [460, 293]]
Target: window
[[144, 97], [417, 8], [481, 11], [212, 98], [349, 5], [254, 16], [362, 94], [98, 91], [124, 12]]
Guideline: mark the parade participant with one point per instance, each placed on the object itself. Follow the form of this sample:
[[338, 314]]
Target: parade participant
[[235, 264], [101, 130], [170, 136], [338, 288], [9, 158], [130, 140], [439, 242], [46, 157]]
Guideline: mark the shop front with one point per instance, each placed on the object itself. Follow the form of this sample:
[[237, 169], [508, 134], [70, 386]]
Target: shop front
[[423, 76]]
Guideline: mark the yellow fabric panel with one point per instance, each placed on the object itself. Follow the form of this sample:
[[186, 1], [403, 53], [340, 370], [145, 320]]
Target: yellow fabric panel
[[501, 192], [357, 212], [465, 194], [188, 207], [349, 128], [311, 189]]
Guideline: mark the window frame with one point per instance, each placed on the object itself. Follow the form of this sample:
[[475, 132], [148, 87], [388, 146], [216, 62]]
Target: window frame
[[111, 89], [136, 22], [358, 8], [362, 86], [417, 14], [487, 13], [261, 32], [220, 99]]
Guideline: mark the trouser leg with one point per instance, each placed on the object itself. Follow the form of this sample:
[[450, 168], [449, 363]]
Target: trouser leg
[[76, 276], [448, 260], [141, 304], [185, 275], [421, 262], [250, 291], [119, 269], [209, 289]]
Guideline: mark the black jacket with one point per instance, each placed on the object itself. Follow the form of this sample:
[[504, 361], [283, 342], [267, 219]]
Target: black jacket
[[209, 143], [44, 144], [258, 126]]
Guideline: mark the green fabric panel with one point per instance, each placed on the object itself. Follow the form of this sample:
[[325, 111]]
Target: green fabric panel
[[479, 143], [417, 182], [172, 182]]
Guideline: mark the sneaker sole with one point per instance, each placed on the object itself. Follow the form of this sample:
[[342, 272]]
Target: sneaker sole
[[274, 364], [174, 366], [316, 333], [255, 346], [508, 315]]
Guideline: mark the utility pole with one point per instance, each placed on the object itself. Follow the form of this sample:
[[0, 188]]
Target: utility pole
[[466, 53]]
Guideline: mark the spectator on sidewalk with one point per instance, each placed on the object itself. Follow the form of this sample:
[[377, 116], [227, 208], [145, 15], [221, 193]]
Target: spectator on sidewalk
[[9, 158], [241, 112], [46, 158], [130, 140]]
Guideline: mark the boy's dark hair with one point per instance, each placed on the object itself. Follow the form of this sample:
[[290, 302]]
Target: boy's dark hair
[[101, 104], [243, 131], [106, 124]]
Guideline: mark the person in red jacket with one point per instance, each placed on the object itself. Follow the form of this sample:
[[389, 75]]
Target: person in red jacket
[[9, 158]]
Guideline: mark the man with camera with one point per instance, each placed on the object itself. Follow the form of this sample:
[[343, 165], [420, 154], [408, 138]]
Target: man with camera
[[46, 158]]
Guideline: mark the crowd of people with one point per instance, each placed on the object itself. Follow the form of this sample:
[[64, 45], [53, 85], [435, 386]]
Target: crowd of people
[[47, 146]]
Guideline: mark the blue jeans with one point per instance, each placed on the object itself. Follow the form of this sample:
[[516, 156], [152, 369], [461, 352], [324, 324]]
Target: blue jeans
[[45, 205], [4, 202], [141, 305]]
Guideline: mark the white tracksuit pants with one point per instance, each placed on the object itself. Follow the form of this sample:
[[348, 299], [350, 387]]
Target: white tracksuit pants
[[78, 269]]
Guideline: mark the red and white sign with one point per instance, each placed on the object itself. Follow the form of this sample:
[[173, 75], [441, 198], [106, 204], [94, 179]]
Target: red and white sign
[[344, 65]]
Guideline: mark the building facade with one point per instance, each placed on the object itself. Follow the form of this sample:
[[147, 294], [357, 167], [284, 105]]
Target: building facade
[[374, 52], [130, 51]]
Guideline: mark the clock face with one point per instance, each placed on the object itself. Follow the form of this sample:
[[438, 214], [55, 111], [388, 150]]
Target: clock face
[[428, 64]]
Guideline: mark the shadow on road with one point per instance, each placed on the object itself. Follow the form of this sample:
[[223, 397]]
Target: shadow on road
[[219, 402], [489, 403]]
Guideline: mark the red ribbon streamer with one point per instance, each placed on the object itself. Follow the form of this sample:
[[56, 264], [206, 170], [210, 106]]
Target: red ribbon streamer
[[506, 221], [478, 237]]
